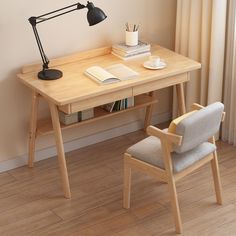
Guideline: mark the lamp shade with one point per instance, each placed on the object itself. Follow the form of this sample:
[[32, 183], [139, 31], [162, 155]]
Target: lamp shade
[[95, 14]]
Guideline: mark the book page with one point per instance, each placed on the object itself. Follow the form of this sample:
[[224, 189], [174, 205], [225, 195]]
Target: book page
[[99, 73], [122, 72]]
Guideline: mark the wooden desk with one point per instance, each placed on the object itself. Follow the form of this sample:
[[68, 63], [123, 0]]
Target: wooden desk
[[75, 92]]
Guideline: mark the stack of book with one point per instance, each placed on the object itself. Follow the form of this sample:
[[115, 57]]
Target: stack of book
[[125, 52], [119, 105]]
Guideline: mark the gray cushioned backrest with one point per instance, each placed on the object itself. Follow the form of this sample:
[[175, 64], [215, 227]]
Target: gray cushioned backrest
[[199, 127]]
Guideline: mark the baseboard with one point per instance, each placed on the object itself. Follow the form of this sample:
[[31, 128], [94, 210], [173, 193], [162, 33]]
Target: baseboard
[[83, 142]]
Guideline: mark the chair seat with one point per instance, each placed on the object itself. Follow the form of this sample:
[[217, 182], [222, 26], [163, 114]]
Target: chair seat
[[149, 151]]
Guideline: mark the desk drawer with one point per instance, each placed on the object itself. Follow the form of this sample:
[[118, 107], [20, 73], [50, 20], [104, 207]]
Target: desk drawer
[[96, 101], [160, 83]]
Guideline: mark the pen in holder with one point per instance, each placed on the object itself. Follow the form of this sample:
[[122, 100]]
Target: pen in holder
[[131, 35]]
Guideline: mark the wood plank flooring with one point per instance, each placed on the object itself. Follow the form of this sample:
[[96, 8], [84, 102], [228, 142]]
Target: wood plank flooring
[[31, 200]]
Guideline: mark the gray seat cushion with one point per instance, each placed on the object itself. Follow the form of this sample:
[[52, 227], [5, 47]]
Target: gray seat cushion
[[149, 151]]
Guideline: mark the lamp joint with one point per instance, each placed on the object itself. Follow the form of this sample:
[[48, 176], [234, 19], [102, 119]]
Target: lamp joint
[[80, 6], [33, 20]]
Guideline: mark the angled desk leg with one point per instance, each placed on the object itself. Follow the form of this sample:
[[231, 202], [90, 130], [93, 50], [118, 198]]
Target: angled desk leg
[[33, 128], [148, 115], [60, 150], [181, 98]]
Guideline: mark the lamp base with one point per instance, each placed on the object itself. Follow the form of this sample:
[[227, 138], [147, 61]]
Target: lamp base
[[50, 74]]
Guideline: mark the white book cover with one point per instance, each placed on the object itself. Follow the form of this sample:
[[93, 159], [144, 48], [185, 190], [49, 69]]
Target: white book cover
[[125, 54], [129, 49], [145, 54], [111, 74], [130, 102]]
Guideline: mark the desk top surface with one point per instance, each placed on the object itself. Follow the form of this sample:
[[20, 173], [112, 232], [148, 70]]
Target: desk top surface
[[75, 86]]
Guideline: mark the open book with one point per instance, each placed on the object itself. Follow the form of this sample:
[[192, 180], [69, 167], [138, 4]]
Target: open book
[[111, 74]]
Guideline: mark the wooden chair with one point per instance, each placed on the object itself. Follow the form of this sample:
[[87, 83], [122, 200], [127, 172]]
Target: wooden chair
[[171, 156]]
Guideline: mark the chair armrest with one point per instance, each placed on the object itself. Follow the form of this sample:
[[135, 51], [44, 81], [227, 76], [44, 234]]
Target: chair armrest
[[154, 131], [169, 137], [223, 117]]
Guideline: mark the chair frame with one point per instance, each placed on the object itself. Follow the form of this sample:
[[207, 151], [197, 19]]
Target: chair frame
[[166, 175]]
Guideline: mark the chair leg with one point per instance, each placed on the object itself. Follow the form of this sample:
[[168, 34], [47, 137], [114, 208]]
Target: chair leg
[[216, 177], [127, 185], [175, 206]]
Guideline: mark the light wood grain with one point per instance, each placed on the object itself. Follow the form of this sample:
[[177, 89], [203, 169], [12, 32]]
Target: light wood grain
[[146, 168], [31, 203], [193, 167], [74, 86], [127, 182], [160, 83], [148, 115], [164, 135], [181, 98], [33, 128], [60, 150], [101, 100], [166, 145], [68, 59], [216, 174]]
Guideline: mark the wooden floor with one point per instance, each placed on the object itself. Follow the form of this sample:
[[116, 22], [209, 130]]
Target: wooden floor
[[31, 201]]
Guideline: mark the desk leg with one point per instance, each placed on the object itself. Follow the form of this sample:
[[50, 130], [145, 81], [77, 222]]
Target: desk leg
[[33, 128], [60, 150], [148, 115], [181, 99]]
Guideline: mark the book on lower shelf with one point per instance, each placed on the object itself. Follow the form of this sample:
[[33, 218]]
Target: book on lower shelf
[[125, 52], [119, 105], [111, 74], [68, 119], [86, 114]]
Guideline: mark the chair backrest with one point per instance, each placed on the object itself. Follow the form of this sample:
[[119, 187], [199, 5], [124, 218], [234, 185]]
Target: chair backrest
[[199, 127]]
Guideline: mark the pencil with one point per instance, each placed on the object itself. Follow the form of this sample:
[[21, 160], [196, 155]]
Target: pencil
[[127, 27]]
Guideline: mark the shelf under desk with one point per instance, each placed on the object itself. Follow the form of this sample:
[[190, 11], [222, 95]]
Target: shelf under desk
[[44, 126]]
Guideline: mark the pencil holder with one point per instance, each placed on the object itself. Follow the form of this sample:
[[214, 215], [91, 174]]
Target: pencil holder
[[131, 38]]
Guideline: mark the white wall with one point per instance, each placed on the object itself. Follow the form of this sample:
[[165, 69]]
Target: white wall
[[65, 35]]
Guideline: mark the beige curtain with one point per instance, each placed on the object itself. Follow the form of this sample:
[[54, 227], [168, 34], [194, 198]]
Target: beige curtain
[[200, 35], [229, 126]]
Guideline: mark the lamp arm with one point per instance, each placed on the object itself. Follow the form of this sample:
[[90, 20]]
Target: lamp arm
[[41, 50], [41, 18], [49, 18]]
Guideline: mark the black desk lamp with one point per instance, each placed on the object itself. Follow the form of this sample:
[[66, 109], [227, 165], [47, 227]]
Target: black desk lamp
[[94, 16]]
